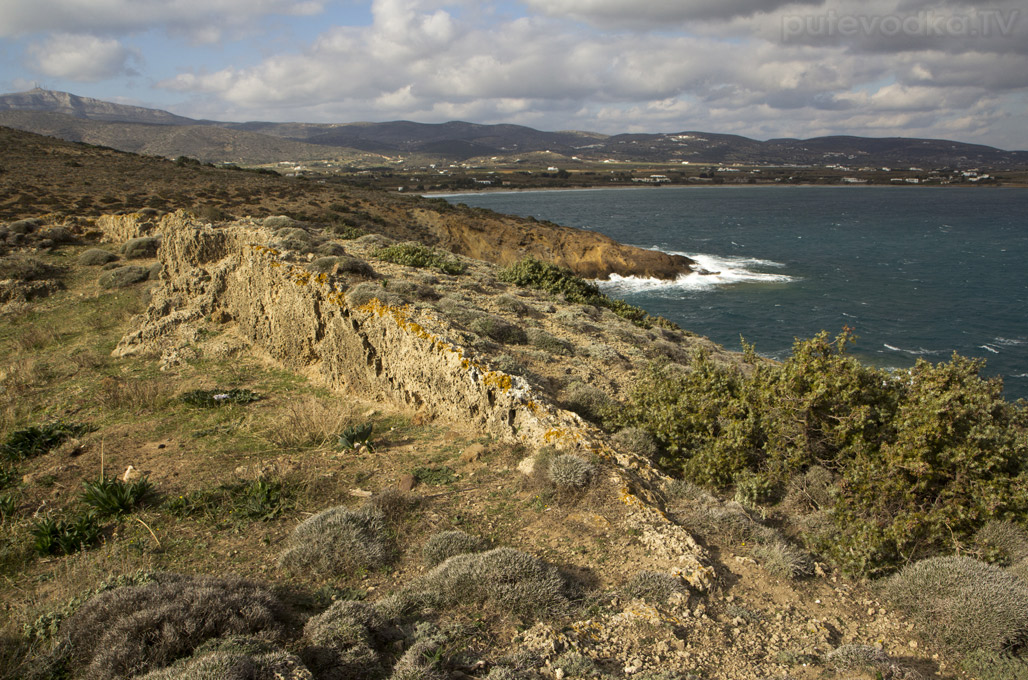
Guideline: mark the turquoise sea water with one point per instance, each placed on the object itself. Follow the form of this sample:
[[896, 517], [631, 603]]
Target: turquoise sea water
[[917, 272]]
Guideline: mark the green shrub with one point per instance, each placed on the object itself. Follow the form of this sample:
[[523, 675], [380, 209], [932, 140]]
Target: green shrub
[[356, 436], [338, 540], [445, 545], [435, 476], [569, 472], [62, 537], [557, 280], [510, 303], [39, 439], [234, 658], [215, 398], [413, 254], [962, 604], [111, 496], [654, 586], [911, 465], [8, 505], [504, 579], [259, 499], [131, 630], [497, 329]]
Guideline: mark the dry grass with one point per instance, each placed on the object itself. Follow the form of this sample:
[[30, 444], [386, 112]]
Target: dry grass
[[305, 422], [133, 395]]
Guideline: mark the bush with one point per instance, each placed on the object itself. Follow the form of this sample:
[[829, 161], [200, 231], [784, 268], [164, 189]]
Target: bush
[[120, 277], [111, 496], [497, 329], [234, 658], [142, 247], [8, 506], [992, 666], [356, 436], [413, 254], [63, 537], [424, 659], [504, 579], [363, 293], [510, 303], [338, 540], [131, 630], [343, 641], [569, 472], [962, 604], [442, 547], [39, 439], [911, 465], [590, 402], [654, 586], [783, 559], [26, 269], [95, 257], [1002, 542], [548, 343], [635, 440]]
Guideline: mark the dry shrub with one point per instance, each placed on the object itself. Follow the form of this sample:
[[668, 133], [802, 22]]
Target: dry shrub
[[338, 540], [1002, 542], [590, 402], [654, 586], [870, 660], [304, 422], [344, 641], [235, 659], [635, 440], [505, 580], [445, 545], [135, 395], [811, 491], [37, 336], [569, 472], [134, 629], [783, 559], [423, 660], [962, 604]]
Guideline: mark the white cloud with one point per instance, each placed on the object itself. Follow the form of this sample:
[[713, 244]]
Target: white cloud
[[83, 58], [422, 60], [656, 14], [201, 20]]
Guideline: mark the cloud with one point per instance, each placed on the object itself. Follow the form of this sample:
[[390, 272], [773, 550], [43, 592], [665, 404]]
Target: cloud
[[656, 14], [83, 58], [427, 60], [193, 18]]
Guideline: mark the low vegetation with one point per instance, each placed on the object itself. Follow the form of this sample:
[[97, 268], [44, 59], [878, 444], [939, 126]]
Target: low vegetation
[[412, 254], [911, 464]]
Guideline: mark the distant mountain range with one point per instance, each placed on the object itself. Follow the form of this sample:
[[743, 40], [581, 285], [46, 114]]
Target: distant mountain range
[[151, 131]]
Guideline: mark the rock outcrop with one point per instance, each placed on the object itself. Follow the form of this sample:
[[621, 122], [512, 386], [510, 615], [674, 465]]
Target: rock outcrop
[[407, 356]]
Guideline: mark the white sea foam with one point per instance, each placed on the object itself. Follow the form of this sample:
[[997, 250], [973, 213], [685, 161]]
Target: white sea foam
[[712, 271], [989, 348], [920, 351]]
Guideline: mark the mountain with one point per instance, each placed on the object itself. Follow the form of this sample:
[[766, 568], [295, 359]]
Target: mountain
[[142, 130]]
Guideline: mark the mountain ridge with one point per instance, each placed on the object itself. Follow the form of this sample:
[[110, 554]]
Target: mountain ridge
[[254, 141]]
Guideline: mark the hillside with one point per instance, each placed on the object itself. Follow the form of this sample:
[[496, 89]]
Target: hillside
[[263, 446], [83, 119]]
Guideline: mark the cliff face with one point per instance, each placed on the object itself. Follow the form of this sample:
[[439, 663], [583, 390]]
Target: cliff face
[[504, 240], [401, 354]]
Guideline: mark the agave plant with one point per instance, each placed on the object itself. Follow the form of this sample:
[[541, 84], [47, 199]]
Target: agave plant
[[115, 497], [356, 436]]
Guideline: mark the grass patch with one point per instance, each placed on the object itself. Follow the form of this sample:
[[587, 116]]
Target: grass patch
[[63, 537], [413, 254], [435, 476], [39, 439], [216, 398]]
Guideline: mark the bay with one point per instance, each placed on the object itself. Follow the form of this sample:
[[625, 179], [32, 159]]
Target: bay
[[915, 271]]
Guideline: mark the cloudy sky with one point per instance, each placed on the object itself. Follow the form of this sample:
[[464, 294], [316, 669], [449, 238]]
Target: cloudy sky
[[762, 68]]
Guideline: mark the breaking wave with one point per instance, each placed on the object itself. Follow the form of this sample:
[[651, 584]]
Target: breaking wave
[[712, 271]]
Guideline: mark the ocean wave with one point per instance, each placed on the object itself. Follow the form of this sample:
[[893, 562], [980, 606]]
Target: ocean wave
[[713, 271], [919, 352], [1007, 342]]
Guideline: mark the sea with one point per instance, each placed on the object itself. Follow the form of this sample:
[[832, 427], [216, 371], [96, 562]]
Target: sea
[[917, 272]]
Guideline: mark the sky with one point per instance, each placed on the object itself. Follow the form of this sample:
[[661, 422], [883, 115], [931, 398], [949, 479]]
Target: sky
[[949, 69]]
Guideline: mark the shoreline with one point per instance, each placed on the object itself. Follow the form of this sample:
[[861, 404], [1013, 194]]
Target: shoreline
[[534, 190]]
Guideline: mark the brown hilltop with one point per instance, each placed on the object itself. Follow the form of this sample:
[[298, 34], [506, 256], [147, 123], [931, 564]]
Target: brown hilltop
[[44, 175]]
